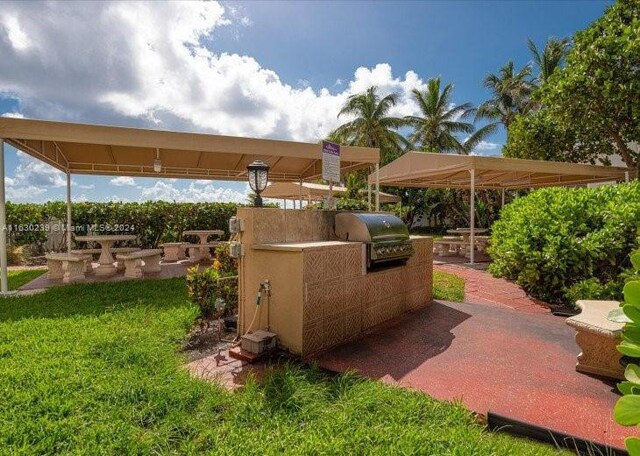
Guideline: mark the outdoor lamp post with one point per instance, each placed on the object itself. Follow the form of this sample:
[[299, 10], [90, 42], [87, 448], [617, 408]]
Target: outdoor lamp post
[[258, 173]]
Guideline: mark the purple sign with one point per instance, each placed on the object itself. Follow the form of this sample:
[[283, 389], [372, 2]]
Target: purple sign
[[330, 161], [330, 148]]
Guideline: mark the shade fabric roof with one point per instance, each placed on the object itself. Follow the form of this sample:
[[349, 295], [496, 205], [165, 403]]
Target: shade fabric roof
[[120, 151], [312, 192], [424, 169]]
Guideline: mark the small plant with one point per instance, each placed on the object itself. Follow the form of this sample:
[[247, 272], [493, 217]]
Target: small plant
[[627, 409], [224, 263], [202, 287]]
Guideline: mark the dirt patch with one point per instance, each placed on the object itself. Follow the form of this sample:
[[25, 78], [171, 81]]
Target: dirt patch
[[208, 337]]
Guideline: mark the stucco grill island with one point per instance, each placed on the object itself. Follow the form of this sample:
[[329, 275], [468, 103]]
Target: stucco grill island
[[316, 288]]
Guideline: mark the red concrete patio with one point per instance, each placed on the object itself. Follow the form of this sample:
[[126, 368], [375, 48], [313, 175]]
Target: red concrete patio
[[516, 363], [482, 288]]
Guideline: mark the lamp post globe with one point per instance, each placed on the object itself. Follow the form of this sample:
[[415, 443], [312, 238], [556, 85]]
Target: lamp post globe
[[258, 174]]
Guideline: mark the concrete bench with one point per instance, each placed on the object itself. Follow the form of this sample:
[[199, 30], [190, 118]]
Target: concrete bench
[[68, 267], [446, 247], [174, 251], [147, 261], [597, 337], [91, 252], [199, 252]]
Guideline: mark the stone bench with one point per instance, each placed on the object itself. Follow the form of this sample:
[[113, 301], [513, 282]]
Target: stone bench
[[68, 267], [448, 247], [135, 263], [597, 337], [91, 252], [199, 252], [174, 251]]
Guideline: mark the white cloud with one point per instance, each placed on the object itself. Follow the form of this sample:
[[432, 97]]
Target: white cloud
[[34, 173], [122, 181], [484, 145], [196, 192], [116, 199], [142, 63], [15, 115]]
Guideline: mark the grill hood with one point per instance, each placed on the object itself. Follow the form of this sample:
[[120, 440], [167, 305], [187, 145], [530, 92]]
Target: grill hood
[[370, 227], [386, 237]]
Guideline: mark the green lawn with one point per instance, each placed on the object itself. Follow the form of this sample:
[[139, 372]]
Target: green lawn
[[17, 278], [95, 369], [448, 287]]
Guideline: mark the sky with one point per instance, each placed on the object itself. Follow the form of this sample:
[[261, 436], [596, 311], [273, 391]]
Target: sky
[[258, 69]]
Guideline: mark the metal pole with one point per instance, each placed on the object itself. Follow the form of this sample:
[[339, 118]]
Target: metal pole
[[369, 196], [377, 187], [503, 192], [300, 193], [626, 176], [330, 195], [4, 284], [68, 212], [472, 215]]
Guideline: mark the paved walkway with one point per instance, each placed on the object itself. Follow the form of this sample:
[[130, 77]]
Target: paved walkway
[[482, 288], [514, 363]]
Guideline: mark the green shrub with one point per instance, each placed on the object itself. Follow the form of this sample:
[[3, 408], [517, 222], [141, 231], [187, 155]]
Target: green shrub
[[555, 238], [215, 289], [202, 288], [593, 289], [154, 222], [627, 408]]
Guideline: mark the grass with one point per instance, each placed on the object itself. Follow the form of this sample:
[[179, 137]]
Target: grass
[[448, 287], [95, 369], [17, 278]]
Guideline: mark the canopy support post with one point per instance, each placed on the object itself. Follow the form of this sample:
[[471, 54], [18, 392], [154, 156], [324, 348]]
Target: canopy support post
[[626, 176], [503, 192], [300, 193], [330, 203], [472, 216], [377, 187], [68, 212], [4, 283], [369, 196]]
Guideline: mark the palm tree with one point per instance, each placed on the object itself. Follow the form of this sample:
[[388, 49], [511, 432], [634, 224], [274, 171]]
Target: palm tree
[[371, 127], [511, 95], [440, 122], [551, 57]]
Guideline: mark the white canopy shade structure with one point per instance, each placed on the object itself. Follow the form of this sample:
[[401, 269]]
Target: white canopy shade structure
[[118, 151], [433, 170], [312, 192]]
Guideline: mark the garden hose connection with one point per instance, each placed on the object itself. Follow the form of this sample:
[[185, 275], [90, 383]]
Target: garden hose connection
[[265, 287]]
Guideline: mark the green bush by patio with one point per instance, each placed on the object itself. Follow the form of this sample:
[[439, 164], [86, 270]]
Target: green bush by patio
[[564, 243], [95, 369], [154, 222]]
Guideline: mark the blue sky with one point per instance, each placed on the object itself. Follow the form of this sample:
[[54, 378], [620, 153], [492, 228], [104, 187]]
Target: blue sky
[[261, 69]]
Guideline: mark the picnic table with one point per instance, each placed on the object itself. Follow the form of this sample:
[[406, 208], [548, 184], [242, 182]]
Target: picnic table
[[203, 235], [105, 267], [465, 235]]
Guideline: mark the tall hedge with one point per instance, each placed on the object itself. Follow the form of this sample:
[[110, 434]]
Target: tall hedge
[[559, 243], [153, 222]]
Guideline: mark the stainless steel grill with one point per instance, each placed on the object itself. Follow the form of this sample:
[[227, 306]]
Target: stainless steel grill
[[386, 237]]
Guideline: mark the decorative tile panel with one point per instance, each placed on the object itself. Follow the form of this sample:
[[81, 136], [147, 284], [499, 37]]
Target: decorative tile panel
[[313, 264], [313, 337], [334, 298], [334, 264], [314, 303], [334, 330], [353, 261]]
